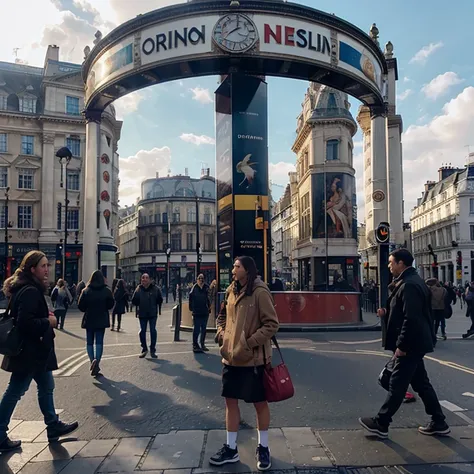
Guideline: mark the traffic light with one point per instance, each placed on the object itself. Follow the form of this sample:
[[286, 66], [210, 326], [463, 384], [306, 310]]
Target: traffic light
[[459, 258], [382, 233]]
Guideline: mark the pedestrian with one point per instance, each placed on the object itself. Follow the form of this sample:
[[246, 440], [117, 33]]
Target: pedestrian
[[200, 308], [148, 299], [247, 321], [26, 291], [439, 297], [121, 299], [95, 302], [213, 296], [80, 287], [409, 334], [469, 299], [61, 298]]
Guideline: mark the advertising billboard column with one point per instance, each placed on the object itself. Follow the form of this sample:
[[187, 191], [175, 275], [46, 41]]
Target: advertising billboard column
[[242, 174]]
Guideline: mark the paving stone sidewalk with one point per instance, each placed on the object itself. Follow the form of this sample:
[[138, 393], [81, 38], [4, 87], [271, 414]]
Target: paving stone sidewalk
[[294, 450]]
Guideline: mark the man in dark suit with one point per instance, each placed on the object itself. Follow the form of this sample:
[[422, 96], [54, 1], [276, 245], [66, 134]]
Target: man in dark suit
[[409, 334]]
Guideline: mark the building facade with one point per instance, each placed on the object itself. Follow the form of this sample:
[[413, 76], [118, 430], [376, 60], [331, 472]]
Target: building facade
[[40, 112], [443, 226], [326, 249], [167, 217]]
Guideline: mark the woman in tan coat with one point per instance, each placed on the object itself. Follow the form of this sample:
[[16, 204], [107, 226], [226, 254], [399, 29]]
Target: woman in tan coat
[[246, 323]]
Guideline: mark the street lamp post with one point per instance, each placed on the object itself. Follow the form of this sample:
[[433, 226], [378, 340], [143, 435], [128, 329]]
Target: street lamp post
[[64, 154], [326, 240], [7, 225], [198, 243]]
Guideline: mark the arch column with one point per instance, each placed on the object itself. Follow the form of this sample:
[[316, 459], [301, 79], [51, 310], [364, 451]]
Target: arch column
[[90, 235], [379, 171]]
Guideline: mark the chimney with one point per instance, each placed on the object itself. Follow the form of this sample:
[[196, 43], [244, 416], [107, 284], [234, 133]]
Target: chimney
[[445, 172], [429, 185], [52, 53], [208, 173], [470, 160], [157, 174], [186, 172]]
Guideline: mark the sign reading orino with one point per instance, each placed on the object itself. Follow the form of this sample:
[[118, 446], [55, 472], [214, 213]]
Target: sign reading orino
[[204, 38]]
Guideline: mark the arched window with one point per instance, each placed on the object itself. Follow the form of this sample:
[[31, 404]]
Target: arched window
[[13, 102], [332, 150], [332, 101]]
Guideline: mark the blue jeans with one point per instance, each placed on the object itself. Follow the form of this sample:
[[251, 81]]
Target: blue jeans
[[17, 387], [200, 325], [143, 325], [98, 336]]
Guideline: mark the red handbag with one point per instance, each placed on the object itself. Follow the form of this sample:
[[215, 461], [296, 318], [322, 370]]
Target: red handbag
[[276, 380]]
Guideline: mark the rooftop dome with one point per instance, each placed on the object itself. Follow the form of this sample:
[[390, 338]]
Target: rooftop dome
[[323, 103]]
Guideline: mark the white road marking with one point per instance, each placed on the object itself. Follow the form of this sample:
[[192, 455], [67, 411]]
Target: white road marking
[[451, 406], [65, 367], [465, 418], [59, 411], [468, 394], [74, 356], [120, 345], [355, 343], [71, 370]]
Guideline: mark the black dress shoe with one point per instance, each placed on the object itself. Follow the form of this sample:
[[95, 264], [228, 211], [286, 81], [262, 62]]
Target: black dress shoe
[[60, 429], [204, 348], [9, 445], [196, 349]]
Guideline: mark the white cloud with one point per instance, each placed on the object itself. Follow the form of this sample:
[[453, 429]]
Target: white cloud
[[441, 140], [407, 79], [202, 95], [359, 144], [278, 172], [424, 53], [441, 84], [128, 103], [197, 139], [405, 94], [124, 10], [143, 165]]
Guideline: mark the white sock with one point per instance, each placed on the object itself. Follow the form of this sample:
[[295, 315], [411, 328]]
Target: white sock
[[263, 438], [232, 439]]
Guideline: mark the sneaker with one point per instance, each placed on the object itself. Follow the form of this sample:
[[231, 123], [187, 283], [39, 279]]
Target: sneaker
[[409, 398], [373, 427], [444, 337], [93, 366], [112, 328], [96, 371], [204, 348], [153, 355], [196, 348], [225, 455], [264, 461], [9, 445], [435, 428], [143, 354], [470, 335], [60, 429]]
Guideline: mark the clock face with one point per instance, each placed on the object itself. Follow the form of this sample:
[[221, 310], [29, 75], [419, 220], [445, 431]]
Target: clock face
[[235, 33]]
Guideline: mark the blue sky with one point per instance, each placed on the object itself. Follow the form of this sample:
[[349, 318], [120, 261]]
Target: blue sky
[[171, 126]]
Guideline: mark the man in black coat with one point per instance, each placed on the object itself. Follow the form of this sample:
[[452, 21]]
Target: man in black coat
[[200, 308], [147, 298], [409, 334]]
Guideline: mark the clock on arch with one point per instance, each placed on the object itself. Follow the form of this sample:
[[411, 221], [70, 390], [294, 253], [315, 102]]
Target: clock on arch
[[235, 33]]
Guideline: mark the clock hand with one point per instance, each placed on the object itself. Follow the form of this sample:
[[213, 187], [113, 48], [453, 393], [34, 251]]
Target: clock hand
[[230, 32]]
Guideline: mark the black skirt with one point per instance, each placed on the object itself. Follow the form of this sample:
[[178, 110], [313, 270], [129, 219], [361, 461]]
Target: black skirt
[[243, 383]]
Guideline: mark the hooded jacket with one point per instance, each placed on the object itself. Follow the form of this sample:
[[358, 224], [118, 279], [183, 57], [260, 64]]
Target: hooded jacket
[[245, 326], [438, 294], [95, 302], [148, 301]]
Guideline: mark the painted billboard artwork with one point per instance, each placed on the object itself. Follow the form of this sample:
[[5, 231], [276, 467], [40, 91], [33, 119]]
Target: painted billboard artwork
[[338, 211]]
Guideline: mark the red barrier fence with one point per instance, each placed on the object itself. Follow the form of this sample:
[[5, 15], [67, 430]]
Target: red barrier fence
[[304, 307]]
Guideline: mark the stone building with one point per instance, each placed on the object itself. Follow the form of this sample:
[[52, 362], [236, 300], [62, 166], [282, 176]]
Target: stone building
[[325, 200], [40, 112], [443, 226], [165, 218]]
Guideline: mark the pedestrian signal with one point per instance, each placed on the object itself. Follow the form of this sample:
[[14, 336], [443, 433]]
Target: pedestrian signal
[[382, 233]]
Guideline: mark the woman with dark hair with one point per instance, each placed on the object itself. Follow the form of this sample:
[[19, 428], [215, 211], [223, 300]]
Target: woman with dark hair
[[62, 298], [246, 323], [95, 302], [121, 299], [37, 359]]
